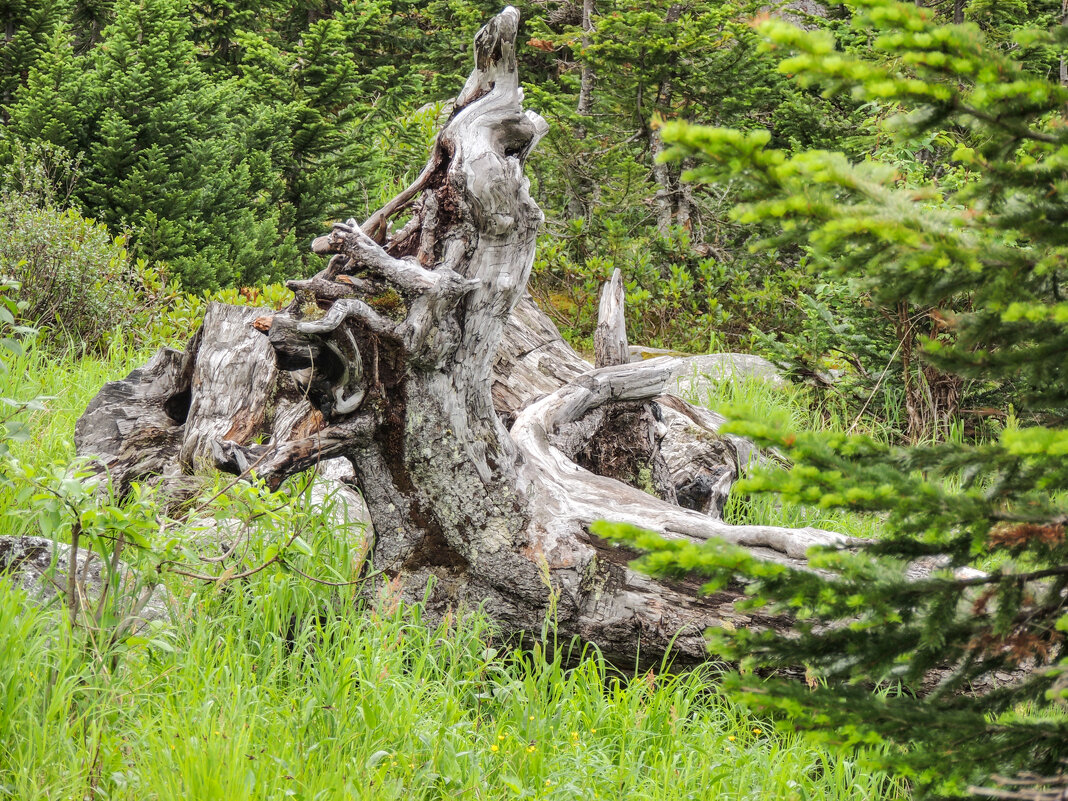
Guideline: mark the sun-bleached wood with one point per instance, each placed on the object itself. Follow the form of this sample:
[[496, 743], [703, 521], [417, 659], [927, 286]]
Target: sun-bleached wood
[[417, 356], [610, 337]]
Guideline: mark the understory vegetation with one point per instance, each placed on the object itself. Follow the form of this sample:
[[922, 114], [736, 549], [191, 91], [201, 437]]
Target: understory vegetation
[[370, 703], [276, 686], [871, 195]]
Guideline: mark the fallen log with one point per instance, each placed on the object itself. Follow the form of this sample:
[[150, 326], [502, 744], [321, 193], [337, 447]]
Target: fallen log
[[482, 444]]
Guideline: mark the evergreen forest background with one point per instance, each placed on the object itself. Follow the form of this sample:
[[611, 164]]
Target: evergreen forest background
[[220, 137], [216, 139]]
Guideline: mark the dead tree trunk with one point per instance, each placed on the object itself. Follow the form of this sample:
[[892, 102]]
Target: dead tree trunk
[[408, 355], [610, 338], [586, 81]]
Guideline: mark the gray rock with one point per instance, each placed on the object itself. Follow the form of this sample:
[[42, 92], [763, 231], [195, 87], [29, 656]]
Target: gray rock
[[38, 566]]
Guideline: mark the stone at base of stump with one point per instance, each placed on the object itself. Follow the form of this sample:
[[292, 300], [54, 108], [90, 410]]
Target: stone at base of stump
[[38, 567]]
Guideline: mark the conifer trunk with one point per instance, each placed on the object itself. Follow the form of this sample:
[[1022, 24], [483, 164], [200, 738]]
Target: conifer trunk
[[587, 77], [1064, 60], [663, 174]]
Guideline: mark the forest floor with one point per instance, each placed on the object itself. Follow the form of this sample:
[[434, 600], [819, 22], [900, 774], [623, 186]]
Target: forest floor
[[276, 687]]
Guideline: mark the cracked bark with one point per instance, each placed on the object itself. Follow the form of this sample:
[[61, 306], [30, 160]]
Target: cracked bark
[[418, 356]]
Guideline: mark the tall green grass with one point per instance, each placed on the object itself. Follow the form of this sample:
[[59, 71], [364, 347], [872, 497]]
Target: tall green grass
[[795, 408], [67, 382], [265, 693]]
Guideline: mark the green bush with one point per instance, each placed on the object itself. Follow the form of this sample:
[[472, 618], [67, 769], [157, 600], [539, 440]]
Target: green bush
[[76, 281], [681, 293]]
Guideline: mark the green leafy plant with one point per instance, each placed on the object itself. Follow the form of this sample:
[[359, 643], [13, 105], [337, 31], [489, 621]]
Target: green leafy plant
[[679, 293], [75, 281], [13, 339], [173, 323]]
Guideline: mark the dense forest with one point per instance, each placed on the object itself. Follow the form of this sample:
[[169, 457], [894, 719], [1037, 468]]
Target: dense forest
[[870, 195], [219, 139]]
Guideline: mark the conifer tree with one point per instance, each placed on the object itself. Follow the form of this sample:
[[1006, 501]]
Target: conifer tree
[[164, 154], [49, 109], [28, 27], [89, 19], [698, 62], [987, 256], [316, 109], [218, 24]]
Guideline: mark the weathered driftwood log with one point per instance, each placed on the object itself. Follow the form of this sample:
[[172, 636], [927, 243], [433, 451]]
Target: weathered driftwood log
[[410, 355]]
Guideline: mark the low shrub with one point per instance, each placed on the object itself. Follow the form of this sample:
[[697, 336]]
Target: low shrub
[[681, 293], [76, 280], [174, 323]]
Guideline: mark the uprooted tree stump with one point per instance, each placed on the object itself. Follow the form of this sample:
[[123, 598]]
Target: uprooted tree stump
[[408, 355]]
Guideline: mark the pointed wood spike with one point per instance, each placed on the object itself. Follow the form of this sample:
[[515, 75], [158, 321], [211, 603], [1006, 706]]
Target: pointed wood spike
[[610, 338]]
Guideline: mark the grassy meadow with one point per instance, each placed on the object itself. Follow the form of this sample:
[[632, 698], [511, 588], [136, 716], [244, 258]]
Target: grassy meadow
[[277, 687]]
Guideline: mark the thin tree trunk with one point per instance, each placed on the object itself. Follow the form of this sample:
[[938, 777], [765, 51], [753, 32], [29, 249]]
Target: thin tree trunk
[[665, 189], [587, 76], [663, 174], [1064, 59], [684, 213], [583, 187]]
